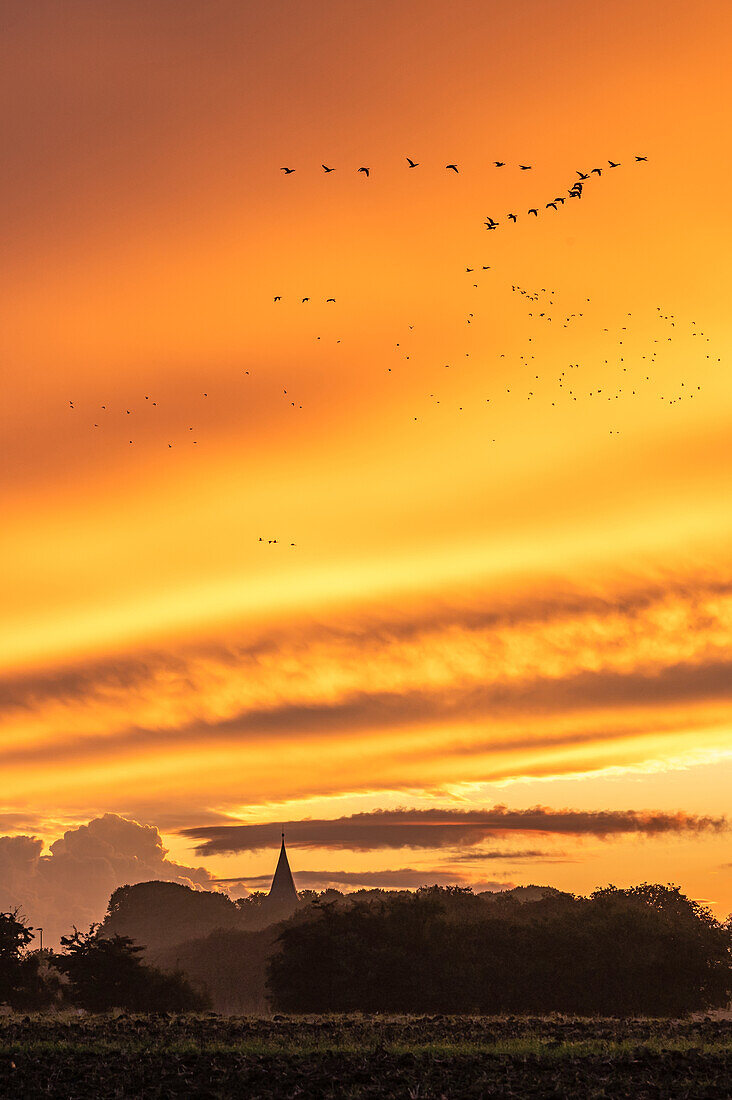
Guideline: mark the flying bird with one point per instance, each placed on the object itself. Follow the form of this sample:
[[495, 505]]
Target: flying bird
[[525, 167], [329, 300], [512, 217], [614, 163], [326, 168], [500, 163], [306, 299], [598, 170], [583, 175], [534, 211], [287, 170], [278, 297], [453, 166], [553, 204], [364, 170], [641, 158], [412, 163]]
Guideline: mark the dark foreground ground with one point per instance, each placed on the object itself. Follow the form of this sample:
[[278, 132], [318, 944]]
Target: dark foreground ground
[[414, 1058]]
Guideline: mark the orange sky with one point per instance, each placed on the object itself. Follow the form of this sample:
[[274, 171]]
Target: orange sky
[[511, 503]]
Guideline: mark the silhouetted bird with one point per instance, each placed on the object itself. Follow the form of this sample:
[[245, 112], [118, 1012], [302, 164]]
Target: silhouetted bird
[[364, 170], [469, 269], [306, 299], [641, 158], [412, 163], [278, 298], [614, 163], [453, 166], [500, 163], [326, 168], [512, 217], [598, 170], [525, 167], [553, 204], [287, 170], [583, 175], [534, 211], [330, 300]]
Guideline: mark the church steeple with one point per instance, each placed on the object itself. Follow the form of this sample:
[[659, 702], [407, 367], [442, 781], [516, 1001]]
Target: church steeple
[[283, 889]]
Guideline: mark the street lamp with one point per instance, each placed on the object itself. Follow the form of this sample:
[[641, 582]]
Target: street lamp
[[41, 931]]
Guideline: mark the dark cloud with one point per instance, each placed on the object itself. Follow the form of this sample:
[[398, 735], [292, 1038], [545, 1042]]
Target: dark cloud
[[436, 828], [171, 820], [72, 884], [96, 679], [530, 854], [404, 878], [20, 822], [363, 711]]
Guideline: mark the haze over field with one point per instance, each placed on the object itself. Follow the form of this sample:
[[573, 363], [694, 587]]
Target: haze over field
[[436, 574]]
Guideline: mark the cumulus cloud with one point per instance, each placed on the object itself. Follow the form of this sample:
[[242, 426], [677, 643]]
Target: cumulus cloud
[[71, 885], [448, 828]]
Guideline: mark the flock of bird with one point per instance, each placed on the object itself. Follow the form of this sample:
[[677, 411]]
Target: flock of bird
[[609, 378], [614, 380]]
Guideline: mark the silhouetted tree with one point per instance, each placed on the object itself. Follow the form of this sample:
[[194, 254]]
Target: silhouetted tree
[[15, 935], [26, 981], [158, 914], [252, 902], [107, 972]]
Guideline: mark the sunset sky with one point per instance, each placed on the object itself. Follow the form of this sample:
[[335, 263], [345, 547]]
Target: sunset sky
[[510, 588]]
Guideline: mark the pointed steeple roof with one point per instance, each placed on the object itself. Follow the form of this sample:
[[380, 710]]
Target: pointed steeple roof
[[283, 885]]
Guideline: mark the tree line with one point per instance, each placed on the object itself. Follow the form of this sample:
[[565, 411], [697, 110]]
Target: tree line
[[648, 950]]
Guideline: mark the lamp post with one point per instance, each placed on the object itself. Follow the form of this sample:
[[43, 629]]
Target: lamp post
[[41, 938]]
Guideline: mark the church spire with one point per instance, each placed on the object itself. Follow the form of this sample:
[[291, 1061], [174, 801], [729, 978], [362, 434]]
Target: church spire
[[283, 885]]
